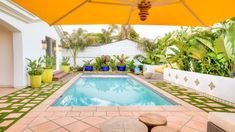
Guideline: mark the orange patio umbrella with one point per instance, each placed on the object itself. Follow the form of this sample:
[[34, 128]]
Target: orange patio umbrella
[[146, 12]]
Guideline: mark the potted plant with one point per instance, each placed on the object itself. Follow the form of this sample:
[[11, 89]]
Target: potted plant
[[65, 65], [121, 64], [87, 65], [98, 63], [131, 65], [112, 64], [105, 60], [47, 75], [35, 71]]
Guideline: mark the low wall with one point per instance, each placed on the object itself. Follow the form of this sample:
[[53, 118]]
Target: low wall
[[217, 86], [150, 68]]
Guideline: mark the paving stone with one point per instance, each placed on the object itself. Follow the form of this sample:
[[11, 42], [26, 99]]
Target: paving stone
[[6, 123], [3, 105], [13, 115]]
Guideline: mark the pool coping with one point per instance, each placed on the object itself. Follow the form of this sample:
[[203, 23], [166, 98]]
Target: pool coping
[[45, 113], [47, 104]]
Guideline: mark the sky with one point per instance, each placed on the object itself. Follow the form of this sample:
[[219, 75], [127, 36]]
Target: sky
[[147, 31]]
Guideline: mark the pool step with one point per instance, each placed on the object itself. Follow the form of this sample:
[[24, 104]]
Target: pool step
[[58, 75]]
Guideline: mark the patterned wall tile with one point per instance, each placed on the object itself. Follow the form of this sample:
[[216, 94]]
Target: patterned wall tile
[[211, 86], [196, 82]]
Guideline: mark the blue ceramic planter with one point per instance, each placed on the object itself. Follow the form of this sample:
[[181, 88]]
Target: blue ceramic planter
[[121, 68], [88, 68], [233, 74], [104, 68]]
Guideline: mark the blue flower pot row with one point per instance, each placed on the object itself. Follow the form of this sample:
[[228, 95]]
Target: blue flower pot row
[[105, 68]]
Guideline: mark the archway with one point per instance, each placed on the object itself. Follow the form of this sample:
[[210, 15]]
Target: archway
[[11, 52]]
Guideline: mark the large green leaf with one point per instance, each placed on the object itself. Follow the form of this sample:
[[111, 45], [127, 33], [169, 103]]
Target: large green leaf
[[220, 47], [229, 41], [206, 43]]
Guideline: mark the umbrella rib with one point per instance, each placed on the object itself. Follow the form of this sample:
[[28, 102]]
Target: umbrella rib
[[110, 3], [130, 14], [69, 12], [192, 13]]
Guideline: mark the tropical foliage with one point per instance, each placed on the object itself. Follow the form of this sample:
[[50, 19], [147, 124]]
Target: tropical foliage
[[35, 67], [204, 50], [121, 59], [48, 62], [65, 61]]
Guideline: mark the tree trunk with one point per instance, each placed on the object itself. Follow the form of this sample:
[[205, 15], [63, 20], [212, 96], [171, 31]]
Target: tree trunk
[[74, 57]]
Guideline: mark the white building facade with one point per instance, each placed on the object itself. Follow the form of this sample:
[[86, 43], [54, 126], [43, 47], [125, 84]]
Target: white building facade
[[21, 36]]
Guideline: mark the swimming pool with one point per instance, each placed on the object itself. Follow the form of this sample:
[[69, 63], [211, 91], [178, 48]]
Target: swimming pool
[[110, 90]]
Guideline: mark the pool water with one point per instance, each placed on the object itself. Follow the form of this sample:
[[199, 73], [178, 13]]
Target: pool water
[[110, 90]]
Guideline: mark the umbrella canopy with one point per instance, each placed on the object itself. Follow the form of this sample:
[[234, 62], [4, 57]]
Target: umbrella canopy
[[161, 12]]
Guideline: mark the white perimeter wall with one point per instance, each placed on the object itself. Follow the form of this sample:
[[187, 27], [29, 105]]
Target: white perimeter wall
[[27, 44], [127, 47], [223, 86]]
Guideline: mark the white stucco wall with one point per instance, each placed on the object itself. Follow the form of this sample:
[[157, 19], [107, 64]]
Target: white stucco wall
[[6, 57], [127, 47], [27, 44], [216, 86]]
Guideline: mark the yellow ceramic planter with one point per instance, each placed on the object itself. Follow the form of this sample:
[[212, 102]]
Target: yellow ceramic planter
[[35, 81], [47, 75], [65, 68]]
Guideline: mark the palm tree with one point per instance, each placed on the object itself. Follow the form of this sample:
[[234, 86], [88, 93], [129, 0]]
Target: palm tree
[[128, 32], [76, 41], [106, 36]]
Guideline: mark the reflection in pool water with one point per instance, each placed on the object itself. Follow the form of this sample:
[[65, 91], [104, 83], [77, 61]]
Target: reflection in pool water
[[98, 91]]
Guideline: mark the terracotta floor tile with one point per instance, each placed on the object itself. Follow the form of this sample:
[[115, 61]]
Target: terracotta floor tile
[[113, 114], [16, 128], [25, 120], [46, 114], [38, 121], [64, 121], [197, 125], [92, 129], [77, 126], [108, 108], [32, 114], [84, 109], [59, 114], [100, 114], [86, 114], [75, 113], [93, 120], [60, 130], [59, 109], [46, 127], [187, 129], [151, 108], [129, 108], [126, 114]]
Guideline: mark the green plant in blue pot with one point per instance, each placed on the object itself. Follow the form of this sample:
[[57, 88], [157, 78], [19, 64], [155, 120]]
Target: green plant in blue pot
[[87, 65], [121, 62], [105, 62]]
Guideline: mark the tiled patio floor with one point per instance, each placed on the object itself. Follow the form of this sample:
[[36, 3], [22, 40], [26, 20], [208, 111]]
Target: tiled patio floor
[[44, 117]]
